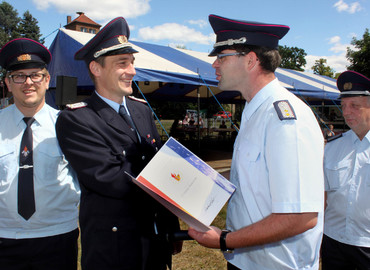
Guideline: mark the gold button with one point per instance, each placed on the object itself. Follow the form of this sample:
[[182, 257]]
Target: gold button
[[114, 229]]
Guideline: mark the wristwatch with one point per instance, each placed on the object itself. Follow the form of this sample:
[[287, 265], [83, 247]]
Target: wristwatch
[[223, 242]]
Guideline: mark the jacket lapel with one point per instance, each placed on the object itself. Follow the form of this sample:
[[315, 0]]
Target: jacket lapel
[[111, 117]]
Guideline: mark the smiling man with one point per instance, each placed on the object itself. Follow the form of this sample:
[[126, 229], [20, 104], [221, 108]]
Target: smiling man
[[103, 138], [39, 193]]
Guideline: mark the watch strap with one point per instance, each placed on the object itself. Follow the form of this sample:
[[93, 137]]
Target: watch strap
[[223, 241]]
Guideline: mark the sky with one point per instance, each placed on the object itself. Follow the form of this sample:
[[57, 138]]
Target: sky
[[323, 28]]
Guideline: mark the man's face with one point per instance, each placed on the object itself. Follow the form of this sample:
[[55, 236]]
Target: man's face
[[230, 71], [114, 79], [356, 112], [28, 95]]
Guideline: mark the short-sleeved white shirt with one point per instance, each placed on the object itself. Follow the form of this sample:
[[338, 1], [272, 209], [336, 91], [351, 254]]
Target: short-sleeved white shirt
[[277, 167], [347, 183]]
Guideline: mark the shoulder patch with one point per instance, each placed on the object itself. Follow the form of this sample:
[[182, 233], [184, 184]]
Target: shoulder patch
[[77, 105], [284, 110], [333, 138], [138, 99]]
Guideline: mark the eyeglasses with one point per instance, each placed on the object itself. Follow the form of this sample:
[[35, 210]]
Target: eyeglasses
[[222, 55], [22, 78]]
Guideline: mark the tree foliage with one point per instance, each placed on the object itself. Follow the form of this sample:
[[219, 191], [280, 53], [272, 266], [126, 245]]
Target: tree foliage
[[360, 57], [12, 26], [9, 22], [28, 27], [321, 68], [292, 58]]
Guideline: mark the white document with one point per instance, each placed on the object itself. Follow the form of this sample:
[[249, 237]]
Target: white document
[[185, 185]]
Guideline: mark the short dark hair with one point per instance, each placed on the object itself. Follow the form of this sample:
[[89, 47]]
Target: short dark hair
[[101, 61], [269, 58]]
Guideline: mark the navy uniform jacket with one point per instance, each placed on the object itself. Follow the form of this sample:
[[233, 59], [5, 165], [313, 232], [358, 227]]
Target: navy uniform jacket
[[118, 220]]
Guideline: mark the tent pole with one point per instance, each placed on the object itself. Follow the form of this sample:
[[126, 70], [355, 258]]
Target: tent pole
[[198, 95]]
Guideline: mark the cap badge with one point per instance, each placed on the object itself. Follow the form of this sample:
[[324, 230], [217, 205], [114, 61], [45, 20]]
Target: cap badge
[[347, 86], [122, 39], [24, 57]]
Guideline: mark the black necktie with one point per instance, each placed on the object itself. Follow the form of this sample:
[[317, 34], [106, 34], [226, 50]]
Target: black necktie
[[128, 119], [26, 196]]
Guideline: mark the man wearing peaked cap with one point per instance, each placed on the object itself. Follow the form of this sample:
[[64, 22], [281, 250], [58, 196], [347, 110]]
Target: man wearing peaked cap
[[39, 191], [346, 242], [229, 32], [277, 208], [104, 137]]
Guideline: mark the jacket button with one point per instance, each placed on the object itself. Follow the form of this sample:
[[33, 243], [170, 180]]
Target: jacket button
[[114, 229], [143, 157]]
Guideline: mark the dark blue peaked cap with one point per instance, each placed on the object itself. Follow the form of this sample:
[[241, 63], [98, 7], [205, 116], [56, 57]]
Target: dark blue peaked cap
[[352, 84], [112, 39], [230, 32], [24, 53]]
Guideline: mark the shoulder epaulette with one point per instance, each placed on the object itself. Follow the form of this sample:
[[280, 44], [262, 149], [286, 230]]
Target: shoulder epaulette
[[332, 138], [284, 110], [77, 105], [138, 99]]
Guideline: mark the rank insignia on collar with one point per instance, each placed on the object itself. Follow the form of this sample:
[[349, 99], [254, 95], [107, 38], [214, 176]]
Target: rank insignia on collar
[[284, 110]]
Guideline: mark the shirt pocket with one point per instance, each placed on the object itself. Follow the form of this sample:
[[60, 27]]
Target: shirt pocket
[[249, 164], [50, 161], [337, 173], [8, 165]]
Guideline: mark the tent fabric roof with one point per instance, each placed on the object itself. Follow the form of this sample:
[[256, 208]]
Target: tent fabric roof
[[168, 73]]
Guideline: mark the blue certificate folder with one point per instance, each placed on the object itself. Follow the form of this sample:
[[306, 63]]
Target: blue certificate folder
[[185, 185]]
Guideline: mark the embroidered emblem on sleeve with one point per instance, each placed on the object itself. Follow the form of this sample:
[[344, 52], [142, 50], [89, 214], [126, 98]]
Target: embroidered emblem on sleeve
[[284, 110]]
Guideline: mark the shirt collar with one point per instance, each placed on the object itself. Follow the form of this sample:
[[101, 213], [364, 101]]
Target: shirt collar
[[114, 105], [259, 98], [41, 117]]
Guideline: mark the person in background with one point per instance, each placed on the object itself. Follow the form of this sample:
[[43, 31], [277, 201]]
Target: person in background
[[185, 122], [329, 132], [106, 139], [275, 217], [39, 192], [346, 242]]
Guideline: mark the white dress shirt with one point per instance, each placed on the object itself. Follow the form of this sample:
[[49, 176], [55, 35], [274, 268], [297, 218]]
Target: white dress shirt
[[56, 188], [277, 168], [347, 182]]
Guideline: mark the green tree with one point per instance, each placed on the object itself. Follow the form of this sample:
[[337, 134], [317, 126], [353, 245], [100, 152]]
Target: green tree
[[292, 58], [9, 21], [321, 68], [360, 57], [28, 27]]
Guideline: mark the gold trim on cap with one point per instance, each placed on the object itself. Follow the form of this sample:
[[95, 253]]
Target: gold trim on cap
[[24, 57]]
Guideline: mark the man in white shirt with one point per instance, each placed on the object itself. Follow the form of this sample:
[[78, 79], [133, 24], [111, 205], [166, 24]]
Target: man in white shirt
[[275, 217], [39, 193], [346, 242]]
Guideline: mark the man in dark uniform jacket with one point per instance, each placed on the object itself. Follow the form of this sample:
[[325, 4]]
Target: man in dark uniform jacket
[[121, 226]]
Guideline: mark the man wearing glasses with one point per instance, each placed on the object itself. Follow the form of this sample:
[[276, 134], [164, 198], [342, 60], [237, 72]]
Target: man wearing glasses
[[275, 217], [39, 193]]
